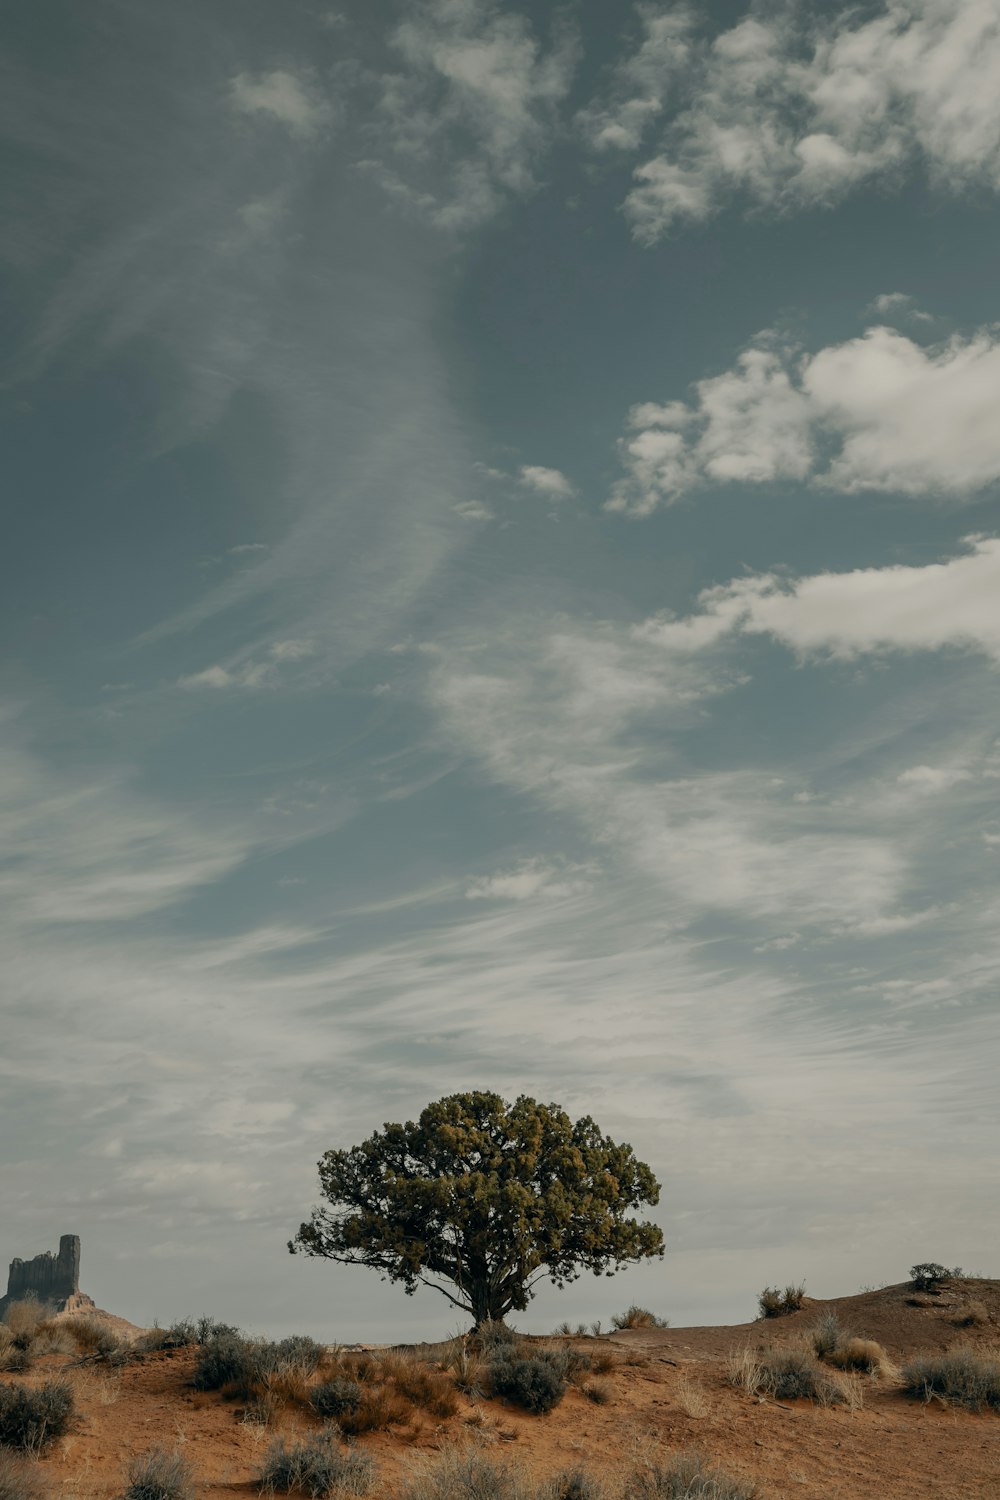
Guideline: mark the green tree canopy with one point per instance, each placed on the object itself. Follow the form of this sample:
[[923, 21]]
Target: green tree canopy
[[482, 1199]]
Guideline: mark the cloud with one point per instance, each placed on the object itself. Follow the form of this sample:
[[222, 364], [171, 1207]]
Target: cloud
[[250, 674], [933, 778], [471, 112], [549, 483], [473, 510], [878, 412], [283, 97], [800, 107], [940, 605], [532, 879]]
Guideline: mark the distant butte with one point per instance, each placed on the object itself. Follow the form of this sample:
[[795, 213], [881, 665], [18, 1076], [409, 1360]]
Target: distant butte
[[52, 1279]]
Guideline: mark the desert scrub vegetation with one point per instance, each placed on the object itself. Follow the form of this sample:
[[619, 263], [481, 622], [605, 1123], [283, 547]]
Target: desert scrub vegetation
[[688, 1476], [601, 1392], [962, 1378], [159, 1475], [19, 1477], [844, 1350], [241, 1368], [98, 1339], [535, 1382], [22, 1320], [971, 1315], [315, 1466], [466, 1473], [931, 1275], [638, 1317], [778, 1302], [787, 1375], [31, 1416]]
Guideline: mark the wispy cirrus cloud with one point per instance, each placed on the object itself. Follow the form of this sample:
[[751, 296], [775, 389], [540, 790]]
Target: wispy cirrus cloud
[[799, 107], [281, 95], [878, 412]]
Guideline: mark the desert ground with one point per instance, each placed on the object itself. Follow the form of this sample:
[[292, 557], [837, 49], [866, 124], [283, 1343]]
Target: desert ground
[[661, 1391]]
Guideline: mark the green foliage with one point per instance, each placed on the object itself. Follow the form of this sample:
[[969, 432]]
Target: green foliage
[[159, 1475], [536, 1383], [775, 1303], [315, 1467], [482, 1199], [686, 1477], [930, 1275], [963, 1377], [31, 1416]]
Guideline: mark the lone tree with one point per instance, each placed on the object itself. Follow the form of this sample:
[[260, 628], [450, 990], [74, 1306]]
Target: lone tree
[[482, 1199]]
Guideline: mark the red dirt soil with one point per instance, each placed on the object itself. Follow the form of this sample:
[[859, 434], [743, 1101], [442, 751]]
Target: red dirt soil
[[670, 1389]]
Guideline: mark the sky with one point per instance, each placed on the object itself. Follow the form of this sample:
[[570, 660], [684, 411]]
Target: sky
[[500, 590]]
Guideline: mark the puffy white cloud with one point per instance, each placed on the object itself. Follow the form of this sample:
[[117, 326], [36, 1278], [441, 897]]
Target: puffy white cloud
[[281, 96], [877, 412], [940, 605], [471, 111], [549, 483], [801, 106]]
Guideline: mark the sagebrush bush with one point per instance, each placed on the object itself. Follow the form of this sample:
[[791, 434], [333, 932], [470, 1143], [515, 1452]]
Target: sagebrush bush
[[159, 1475], [573, 1484], [963, 1377], [15, 1361], [533, 1382], [316, 1467], [827, 1334], [31, 1416], [775, 1302], [930, 1275], [53, 1337], [379, 1408], [94, 1336], [638, 1317], [793, 1375], [332, 1398], [19, 1477], [493, 1335], [601, 1392], [427, 1389], [467, 1474], [971, 1315], [687, 1477]]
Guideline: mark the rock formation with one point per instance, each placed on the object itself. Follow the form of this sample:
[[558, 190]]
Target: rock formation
[[52, 1279]]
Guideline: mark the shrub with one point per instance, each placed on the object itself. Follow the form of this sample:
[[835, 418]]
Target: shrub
[[573, 1484], [30, 1417], [827, 1335], [95, 1336], [536, 1384], [15, 1361], [315, 1467], [332, 1398], [599, 1391], [180, 1335], [378, 1409], [425, 1388], [53, 1337], [858, 1354], [971, 1315], [686, 1477], [745, 1370], [467, 1474], [159, 1475], [930, 1275], [240, 1366], [493, 1334], [22, 1319], [467, 1370], [19, 1478], [792, 1375], [638, 1317], [775, 1303], [963, 1377]]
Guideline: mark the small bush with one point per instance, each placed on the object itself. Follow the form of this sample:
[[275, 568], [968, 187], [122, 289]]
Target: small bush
[[332, 1398], [745, 1370], [180, 1335], [53, 1337], [467, 1369], [15, 1361], [378, 1409], [858, 1354], [31, 1416], [603, 1361], [601, 1392], [930, 1275], [467, 1474], [19, 1478], [971, 1315], [493, 1335], [573, 1484], [425, 1388], [687, 1477], [792, 1375], [159, 1475], [963, 1377], [827, 1335], [774, 1302], [22, 1319], [94, 1336], [638, 1317], [315, 1467], [536, 1384]]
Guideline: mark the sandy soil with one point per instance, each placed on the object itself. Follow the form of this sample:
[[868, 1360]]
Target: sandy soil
[[670, 1388]]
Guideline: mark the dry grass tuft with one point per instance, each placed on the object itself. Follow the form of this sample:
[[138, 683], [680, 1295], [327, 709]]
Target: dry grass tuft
[[20, 1479], [786, 1374], [692, 1397], [601, 1392], [964, 1377], [774, 1302], [858, 1354], [971, 1315], [159, 1475], [686, 1477], [638, 1317], [464, 1473], [22, 1320]]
